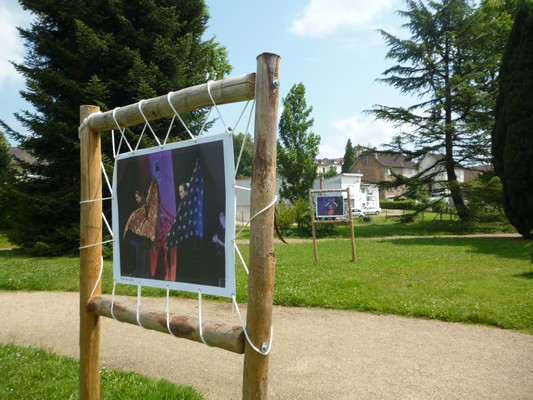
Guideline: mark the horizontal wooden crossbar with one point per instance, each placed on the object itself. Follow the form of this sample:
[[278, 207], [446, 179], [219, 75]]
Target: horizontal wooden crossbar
[[215, 334], [224, 91]]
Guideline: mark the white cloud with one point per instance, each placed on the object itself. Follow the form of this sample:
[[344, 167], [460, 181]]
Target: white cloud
[[361, 130], [321, 17], [12, 48]]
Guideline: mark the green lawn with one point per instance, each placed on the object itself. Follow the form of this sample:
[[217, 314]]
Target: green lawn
[[4, 243], [466, 279], [28, 373], [481, 280], [476, 280]]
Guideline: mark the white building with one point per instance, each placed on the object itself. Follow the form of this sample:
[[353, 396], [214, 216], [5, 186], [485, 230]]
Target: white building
[[325, 165], [434, 165], [361, 194]]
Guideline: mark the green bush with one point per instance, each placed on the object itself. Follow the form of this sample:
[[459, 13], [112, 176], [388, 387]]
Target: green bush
[[398, 205], [4, 209], [485, 198], [285, 216]]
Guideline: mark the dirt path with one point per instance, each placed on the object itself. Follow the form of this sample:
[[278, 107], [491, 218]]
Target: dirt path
[[317, 354]]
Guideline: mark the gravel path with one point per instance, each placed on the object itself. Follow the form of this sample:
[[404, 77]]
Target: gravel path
[[317, 354]]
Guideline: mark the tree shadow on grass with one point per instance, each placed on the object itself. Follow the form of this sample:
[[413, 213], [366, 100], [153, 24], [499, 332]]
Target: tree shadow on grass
[[525, 275], [509, 248]]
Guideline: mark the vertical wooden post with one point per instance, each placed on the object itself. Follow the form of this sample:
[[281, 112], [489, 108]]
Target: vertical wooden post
[[313, 228], [352, 235], [90, 257], [262, 254]]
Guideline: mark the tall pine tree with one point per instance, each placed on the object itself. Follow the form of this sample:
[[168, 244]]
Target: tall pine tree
[[512, 146], [451, 62], [349, 157], [108, 53]]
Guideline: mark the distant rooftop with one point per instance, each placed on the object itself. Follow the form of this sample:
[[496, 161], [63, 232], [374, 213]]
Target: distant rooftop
[[390, 160], [329, 161]]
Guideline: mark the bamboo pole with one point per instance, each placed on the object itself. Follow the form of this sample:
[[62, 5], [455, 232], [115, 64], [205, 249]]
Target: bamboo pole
[[313, 227], [262, 254], [352, 235], [90, 257], [225, 91], [219, 335]]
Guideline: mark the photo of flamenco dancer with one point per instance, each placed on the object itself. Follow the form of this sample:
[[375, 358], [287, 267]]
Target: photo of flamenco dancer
[[170, 213], [144, 234], [329, 206]]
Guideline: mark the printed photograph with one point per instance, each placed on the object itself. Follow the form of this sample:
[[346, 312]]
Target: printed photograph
[[329, 206], [170, 217]]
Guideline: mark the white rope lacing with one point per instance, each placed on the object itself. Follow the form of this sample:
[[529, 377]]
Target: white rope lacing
[[85, 122], [145, 125], [107, 225], [265, 348], [216, 107], [113, 299], [245, 135], [168, 312], [96, 244], [104, 172], [95, 200], [179, 117], [99, 277], [241, 258], [200, 317], [205, 122], [122, 135], [139, 304], [257, 214]]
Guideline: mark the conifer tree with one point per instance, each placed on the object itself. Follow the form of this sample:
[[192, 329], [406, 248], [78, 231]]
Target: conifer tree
[[349, 157], [450, 62], [512, 145], [107, 53]]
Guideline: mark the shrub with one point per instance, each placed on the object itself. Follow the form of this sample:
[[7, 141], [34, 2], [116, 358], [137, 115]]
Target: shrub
[[398, 205], [285, 215]]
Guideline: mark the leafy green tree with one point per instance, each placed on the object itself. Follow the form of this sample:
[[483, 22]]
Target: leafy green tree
[[245, 152], [330, 173], [349, 157], [451, 62], [512, 146], [108, 53], [297, 147]]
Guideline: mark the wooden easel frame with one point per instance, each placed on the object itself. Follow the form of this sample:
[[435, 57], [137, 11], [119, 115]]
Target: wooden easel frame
[[264, 87], [347, 220]]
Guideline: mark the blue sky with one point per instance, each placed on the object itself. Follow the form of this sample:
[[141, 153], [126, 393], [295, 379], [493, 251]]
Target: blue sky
[[331, 46]]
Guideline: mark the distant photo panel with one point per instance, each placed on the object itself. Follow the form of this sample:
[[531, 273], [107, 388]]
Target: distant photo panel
[[329, 206]]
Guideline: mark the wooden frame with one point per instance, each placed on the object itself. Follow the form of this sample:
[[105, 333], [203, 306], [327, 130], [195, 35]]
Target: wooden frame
[[264, 87]]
